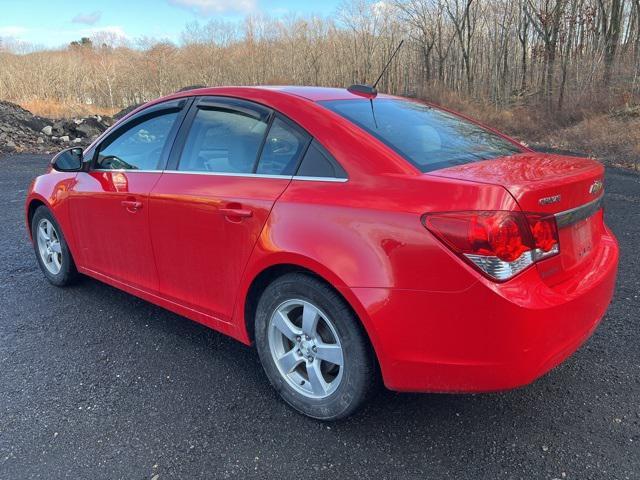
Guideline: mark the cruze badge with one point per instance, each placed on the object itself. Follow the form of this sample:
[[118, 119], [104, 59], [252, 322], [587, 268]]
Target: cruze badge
[[596, 187], [549, 200]]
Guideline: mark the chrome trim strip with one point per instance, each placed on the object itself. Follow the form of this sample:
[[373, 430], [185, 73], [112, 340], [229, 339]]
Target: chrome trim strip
[[123, 170], [227, 174], [321, 179], [258, 175], [577, 214]]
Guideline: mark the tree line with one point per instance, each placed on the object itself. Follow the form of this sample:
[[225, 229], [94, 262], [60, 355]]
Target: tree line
[[554, 55]]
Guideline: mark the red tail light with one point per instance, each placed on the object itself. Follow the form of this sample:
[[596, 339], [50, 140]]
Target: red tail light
[[499, 243]]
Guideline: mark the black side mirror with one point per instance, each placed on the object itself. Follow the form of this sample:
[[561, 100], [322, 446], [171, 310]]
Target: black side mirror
[[69, 160]]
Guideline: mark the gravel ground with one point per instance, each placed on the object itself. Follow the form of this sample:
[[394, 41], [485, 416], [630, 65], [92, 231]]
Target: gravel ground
[[95, 383]]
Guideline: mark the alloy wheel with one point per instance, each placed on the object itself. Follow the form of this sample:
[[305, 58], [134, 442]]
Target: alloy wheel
[[306, 348], [49, 246]]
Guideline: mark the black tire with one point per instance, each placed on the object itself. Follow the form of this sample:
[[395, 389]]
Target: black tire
[[67, 273], [360, 376]]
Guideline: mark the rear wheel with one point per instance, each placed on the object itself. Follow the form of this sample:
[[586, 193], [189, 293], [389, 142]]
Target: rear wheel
[[52, 251], [312, 348]]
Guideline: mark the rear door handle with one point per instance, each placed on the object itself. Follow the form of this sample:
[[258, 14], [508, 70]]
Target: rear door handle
[[132, 205], [236, 212]]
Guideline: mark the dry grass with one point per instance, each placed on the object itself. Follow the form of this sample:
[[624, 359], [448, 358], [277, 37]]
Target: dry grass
[[55, 109], [614, 138], [606, 127]]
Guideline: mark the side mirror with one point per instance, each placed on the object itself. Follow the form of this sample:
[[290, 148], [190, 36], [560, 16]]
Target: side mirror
[[69, 160]]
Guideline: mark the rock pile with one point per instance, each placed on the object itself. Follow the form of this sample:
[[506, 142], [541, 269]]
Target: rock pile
[[22, 131]]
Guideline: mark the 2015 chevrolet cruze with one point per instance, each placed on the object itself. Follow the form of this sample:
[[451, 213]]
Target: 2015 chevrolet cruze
[[350, 236]]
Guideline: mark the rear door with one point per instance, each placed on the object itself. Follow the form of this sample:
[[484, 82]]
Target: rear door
[[109, 203], [231, 161]]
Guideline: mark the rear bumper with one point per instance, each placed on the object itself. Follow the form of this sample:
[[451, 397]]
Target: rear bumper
[[490, 336]]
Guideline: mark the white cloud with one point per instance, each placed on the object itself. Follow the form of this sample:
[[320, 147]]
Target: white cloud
[[12, 31], [208, 7], [87, 18]]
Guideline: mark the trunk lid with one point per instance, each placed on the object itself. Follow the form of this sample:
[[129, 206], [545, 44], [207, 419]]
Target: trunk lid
[[569, 187]]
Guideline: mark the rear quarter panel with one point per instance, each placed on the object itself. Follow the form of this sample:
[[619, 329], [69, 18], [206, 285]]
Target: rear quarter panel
[[367, 232]]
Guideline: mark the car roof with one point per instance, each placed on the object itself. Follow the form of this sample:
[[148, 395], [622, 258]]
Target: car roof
[[314, 94], [260, 93]]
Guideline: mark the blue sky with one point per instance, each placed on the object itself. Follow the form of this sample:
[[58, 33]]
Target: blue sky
[[56, 23]]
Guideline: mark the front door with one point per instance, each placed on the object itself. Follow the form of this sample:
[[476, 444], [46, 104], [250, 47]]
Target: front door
[[109, 204], [209, 207]]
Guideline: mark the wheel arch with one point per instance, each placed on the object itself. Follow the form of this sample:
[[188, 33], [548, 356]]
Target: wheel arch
[[270, 273], [32, 206], [35, 201]]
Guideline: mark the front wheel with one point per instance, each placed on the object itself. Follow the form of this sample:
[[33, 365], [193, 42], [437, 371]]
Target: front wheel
[[51, 248], [313, 348]]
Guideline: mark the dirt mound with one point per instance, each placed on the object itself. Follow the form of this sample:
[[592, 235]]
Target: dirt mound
[[10, 113], [22, 131]]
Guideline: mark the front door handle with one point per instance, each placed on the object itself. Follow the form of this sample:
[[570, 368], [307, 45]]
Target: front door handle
[[236, 212], [131, 205]]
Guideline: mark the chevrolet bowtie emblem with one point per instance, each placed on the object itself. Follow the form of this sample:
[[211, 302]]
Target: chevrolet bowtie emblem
[[596, 187]]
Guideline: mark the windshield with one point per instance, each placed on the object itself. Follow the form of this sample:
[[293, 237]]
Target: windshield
[[427, 137]]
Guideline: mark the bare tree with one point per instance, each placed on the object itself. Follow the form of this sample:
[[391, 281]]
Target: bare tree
[[460, 15], [552, 55]]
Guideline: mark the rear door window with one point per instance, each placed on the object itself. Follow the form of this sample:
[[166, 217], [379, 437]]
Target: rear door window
[[282, 150], [223, 141], [319, 163]]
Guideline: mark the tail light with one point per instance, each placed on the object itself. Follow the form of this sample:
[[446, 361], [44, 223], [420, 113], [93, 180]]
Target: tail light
[[499, 243]]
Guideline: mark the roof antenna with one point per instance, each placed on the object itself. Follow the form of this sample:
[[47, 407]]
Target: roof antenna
[[373, 113], [370, 90], [388, 63]]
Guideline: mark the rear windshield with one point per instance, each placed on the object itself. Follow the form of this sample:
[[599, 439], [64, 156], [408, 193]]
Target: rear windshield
[[427, 137]]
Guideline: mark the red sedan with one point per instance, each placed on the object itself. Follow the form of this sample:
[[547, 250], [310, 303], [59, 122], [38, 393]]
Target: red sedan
[[350, 237]]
